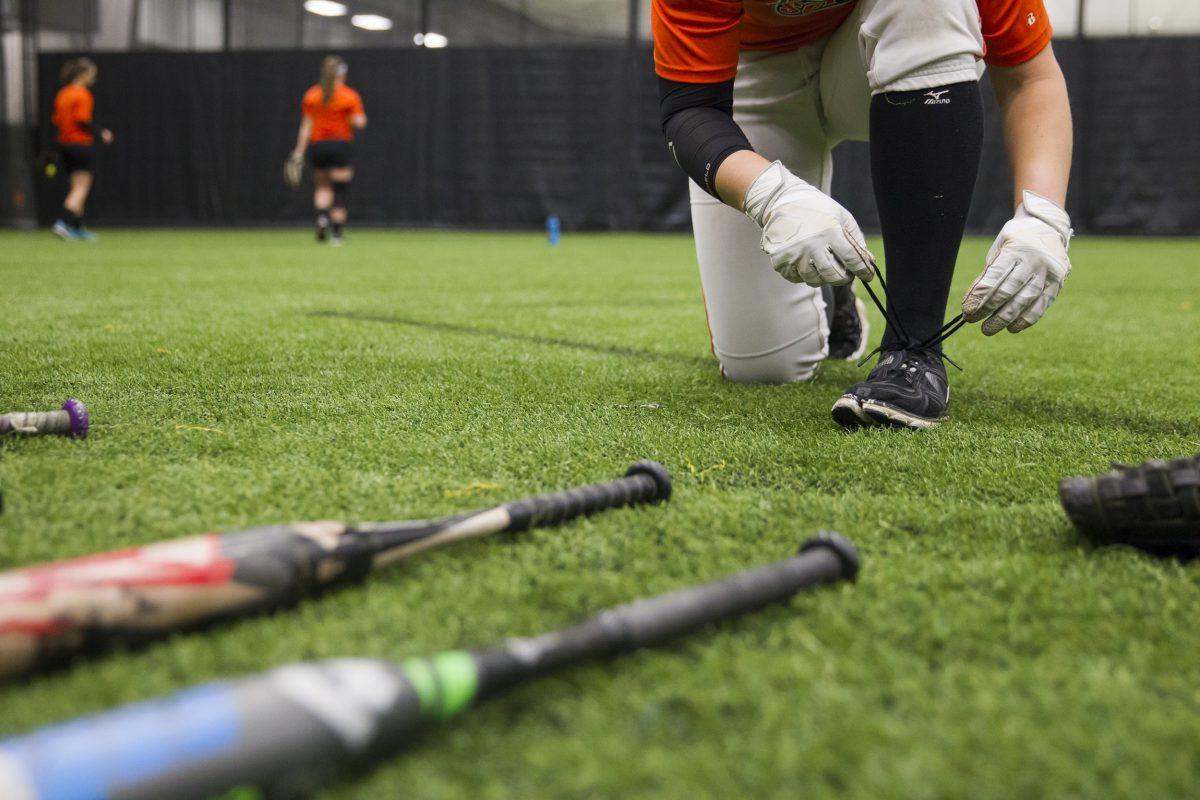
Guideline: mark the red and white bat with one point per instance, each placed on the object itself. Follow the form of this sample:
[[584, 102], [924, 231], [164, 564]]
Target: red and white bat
[[51, 612]]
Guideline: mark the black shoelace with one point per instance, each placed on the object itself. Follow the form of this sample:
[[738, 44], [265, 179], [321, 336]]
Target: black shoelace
[[906, 342]]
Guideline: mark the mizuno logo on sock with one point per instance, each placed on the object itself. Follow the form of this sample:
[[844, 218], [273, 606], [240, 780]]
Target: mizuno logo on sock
[[936, 99]]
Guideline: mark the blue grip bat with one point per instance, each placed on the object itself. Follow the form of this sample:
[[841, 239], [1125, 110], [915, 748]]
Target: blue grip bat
[[283, 732]]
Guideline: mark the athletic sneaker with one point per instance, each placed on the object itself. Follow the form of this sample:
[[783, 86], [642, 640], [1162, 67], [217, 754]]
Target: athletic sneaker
[[63, 231], [322, 227], [907, 389], [84, 235], [848, 328], [337, 240]]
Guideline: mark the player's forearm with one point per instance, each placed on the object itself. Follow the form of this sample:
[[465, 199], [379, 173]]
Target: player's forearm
[[1036, 120], [735, 175], [303, 134], [697, 119]]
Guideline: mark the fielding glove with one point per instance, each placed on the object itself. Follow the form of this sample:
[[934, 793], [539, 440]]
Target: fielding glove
[[293, 170], [1154, 506], [1025, 268], [809, 237]]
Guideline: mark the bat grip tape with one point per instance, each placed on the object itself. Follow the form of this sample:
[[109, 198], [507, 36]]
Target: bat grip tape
[[645, 482], [825, 558]]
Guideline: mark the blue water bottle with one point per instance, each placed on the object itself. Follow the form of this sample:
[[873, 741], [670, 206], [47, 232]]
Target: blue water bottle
[[553, 229]]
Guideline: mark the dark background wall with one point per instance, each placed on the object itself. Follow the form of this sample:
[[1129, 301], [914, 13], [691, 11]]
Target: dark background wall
[[502, 137]]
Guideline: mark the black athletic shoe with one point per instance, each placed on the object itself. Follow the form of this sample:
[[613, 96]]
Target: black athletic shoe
[[322, 227], [907, 389], [849, 328]]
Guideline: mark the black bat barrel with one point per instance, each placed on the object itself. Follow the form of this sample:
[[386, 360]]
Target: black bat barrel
[[825, 558]]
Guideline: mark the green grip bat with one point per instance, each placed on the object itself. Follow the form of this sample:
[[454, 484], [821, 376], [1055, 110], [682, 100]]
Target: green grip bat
[[281, 733]]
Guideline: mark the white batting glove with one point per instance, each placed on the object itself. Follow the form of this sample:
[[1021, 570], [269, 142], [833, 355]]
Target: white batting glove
[[1025, 268], [809, 237], [293, 170]]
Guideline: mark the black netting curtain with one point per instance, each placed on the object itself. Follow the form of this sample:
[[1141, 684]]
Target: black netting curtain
[[481, 137], [503, 137]]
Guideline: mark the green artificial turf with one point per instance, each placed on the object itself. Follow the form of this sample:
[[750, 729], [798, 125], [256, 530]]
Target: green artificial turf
[[241, 378]]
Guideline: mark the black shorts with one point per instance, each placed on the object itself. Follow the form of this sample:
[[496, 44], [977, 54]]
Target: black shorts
[[75, 157], [329, 154]]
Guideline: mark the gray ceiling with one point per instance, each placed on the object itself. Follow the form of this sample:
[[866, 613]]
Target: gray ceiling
[[594, 17]]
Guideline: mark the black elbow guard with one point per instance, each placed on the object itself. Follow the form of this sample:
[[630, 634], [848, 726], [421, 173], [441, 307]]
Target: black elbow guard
[[697, 119]]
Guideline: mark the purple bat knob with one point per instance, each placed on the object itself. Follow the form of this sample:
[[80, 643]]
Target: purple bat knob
[[78, 413]]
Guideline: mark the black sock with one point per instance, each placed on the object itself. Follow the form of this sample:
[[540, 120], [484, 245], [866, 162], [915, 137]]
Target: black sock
[[337, 228], [71, 218], [924, 158]]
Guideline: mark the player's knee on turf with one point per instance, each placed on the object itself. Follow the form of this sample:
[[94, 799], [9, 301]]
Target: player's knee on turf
[[795, 363]]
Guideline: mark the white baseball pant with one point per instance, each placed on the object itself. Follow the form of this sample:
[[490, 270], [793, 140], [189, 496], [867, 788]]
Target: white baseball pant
[[794, 107]]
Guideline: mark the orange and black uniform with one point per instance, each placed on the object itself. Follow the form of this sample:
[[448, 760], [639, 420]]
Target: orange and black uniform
[[73, 106], [697, 44], [331, 130], [923, 118], [697, 41]]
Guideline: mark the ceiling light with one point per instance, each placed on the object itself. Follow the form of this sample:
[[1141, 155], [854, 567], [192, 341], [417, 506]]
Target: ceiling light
[[371, 22], [325, 8], [435, 40]]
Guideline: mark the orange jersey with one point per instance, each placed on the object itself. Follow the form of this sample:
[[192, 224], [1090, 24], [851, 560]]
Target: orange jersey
[[697, 41], [332, 121], [72, 107]]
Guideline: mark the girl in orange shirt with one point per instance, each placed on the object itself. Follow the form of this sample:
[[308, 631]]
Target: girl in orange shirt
[[76, 135], [332, 113]]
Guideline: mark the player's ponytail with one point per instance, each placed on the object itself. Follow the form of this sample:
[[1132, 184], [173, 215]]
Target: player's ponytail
[[74, 68], [332, 68]]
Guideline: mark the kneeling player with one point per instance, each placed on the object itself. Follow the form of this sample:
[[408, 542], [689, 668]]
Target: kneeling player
[[332, 113], [755, 93]]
